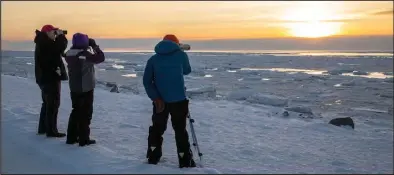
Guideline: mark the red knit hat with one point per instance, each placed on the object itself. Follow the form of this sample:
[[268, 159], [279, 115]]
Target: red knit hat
[[47, 28], [172, 38]]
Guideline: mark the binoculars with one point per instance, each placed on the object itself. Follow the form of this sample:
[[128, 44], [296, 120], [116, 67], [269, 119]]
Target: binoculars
[[64, 32], [184, 46], [57, 31]]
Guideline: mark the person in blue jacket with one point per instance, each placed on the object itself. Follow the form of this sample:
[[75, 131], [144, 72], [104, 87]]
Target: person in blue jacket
[[164, 84]]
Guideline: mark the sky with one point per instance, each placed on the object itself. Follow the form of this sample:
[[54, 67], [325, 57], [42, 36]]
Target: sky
[[195, 21]]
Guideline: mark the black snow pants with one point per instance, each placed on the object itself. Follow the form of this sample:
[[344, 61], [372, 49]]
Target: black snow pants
[[50, 94], [179, 112], [80, 117]]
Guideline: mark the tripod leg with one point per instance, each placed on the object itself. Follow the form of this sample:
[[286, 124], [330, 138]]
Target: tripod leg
[[195, 143]]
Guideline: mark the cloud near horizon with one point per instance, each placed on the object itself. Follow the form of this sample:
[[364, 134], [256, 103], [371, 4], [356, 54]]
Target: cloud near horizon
[[385, 12]]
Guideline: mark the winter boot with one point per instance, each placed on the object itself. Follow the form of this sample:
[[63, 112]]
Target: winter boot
[[87, 142], [59, 135], [186, 160], [154, 154], [71, 141]]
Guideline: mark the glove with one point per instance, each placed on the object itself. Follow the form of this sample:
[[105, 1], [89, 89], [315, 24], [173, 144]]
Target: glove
[[92, 42], [159, 105], [58, 71]]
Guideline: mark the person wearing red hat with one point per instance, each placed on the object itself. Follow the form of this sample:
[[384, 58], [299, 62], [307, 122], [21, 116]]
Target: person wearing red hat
[[49, 71], [173, 38], [164, 84]]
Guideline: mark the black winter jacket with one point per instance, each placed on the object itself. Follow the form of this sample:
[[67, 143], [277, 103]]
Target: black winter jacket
[[48, 58]]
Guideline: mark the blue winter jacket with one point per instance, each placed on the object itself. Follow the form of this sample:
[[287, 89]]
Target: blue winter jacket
[[163, 76]]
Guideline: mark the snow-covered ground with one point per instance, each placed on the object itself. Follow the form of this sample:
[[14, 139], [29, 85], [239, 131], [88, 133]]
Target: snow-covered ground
[[237, 101]]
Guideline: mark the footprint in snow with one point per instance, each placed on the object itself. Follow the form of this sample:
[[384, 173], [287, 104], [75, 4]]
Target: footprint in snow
[[126, 125], [343, 170], [22, 111], [338, 163], [205, 124]]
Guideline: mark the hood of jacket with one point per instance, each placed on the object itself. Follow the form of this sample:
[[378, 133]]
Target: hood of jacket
[[166, 47], [41, 38]]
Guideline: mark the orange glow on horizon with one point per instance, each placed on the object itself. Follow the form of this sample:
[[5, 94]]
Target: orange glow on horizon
[[198, 20]]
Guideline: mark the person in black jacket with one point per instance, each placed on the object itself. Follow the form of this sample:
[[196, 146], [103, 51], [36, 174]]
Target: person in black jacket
[[49, 71]]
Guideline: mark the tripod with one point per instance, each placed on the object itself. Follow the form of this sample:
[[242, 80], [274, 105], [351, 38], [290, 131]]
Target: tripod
[[195, 143]]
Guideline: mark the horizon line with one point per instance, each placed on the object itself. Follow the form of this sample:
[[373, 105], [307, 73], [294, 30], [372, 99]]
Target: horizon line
[[225, 39], [232, 50]]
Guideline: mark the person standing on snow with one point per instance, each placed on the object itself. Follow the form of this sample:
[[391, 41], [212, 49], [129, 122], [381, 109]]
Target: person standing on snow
[[49, 71], [164, 84], [81, 58]]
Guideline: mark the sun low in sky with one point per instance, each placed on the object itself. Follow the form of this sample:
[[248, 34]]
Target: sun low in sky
[[199, 20], [310, 20]]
